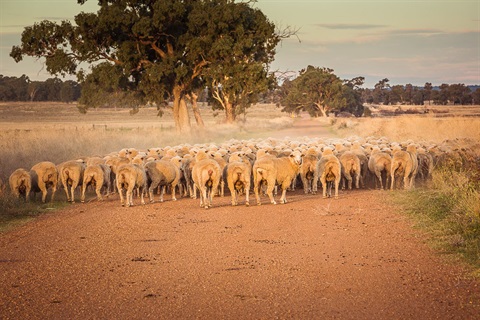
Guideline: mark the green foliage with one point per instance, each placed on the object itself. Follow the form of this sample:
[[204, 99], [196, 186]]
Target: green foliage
[[319, 92], [52, 89]]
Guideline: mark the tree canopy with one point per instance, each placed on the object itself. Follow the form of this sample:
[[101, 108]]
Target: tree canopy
[[319, 91], [151, 50]]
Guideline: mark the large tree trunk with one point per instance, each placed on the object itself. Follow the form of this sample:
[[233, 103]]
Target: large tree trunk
[[180, 111], [323, 109], [196, 111], [229, 111]]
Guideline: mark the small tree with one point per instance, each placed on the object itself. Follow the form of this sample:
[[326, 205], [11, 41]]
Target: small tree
[[316, 90]]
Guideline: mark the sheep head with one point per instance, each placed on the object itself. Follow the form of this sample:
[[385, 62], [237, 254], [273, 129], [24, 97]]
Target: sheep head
[[296, 157]]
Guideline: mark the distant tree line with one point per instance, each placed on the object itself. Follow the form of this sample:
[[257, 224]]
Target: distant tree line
[[456, 94], [52, 89]]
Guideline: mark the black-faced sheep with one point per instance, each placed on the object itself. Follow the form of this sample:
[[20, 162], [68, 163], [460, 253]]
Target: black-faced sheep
[[274, 171], [130, 177], [44, 175], [20, 183]]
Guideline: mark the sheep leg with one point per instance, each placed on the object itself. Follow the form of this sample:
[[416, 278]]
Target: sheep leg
[[129, 197], [283, 199], [378, 174], [203, 197], [348, 177], [120, 192], [357, 181], [270, 186], [306, 186], [153, 185], [142, 192], [174, 198], [43, 189], [98, 189], [247, 191], [82, 197], [337, 183], [74, 186], [162, 191]]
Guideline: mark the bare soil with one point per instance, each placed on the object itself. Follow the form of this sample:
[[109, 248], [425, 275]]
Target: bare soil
[[357, 257]]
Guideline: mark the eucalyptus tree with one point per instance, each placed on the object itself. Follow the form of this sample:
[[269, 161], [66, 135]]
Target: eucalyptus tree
[[141, 50], [316, 90], [236, 79]]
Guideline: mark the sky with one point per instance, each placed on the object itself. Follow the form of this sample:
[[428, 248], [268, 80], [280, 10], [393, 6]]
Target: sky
[[405, 41]]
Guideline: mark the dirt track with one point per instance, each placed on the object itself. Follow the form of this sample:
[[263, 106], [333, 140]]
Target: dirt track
[[312, 258]]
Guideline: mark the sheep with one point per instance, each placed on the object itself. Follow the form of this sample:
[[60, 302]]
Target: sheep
[[71, 175], [206, 174], [329, 172], [114, 163], [380, 162], [129, 177], [162, 173], [405, 162], [308, 170], [217, 156], [20, 183], [99, 176], [274, 171], [351, 168], [425, 164], [238, 173], [44, 175]]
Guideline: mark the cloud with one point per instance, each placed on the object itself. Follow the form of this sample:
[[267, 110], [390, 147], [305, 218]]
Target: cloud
[[350, 26]]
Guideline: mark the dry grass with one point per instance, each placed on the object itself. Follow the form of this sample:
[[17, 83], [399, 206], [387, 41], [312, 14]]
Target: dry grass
[[34, 132], [411, 127]]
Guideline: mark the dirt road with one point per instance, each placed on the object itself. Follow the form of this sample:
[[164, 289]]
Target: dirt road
[[312, 258]]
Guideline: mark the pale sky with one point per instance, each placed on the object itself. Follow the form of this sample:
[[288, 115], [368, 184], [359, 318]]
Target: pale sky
[[414, 41]]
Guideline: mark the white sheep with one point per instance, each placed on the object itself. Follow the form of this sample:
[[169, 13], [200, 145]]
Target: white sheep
[[425, 164], [162, 173], [97, 175], [380, 162], [308, 170], [329, 172], [130, 177], [20, 183], [406, 163], [44, 175], [206, 174], [351, 168], [238, 173], [274, 171], [71, 175]]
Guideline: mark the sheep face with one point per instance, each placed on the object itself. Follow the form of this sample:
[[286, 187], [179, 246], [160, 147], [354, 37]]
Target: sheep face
[[296, 157]]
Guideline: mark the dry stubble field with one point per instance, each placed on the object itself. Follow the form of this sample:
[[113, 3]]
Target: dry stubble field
[[353, 258]]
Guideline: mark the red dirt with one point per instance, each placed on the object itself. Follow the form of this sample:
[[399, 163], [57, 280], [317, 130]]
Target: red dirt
[[357, 257]]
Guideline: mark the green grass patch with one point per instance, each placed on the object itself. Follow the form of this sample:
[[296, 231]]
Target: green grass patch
[[16, 212], [449, 210]]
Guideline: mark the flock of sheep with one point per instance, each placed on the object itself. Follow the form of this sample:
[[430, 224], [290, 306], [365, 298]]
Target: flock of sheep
[[261, 164]]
